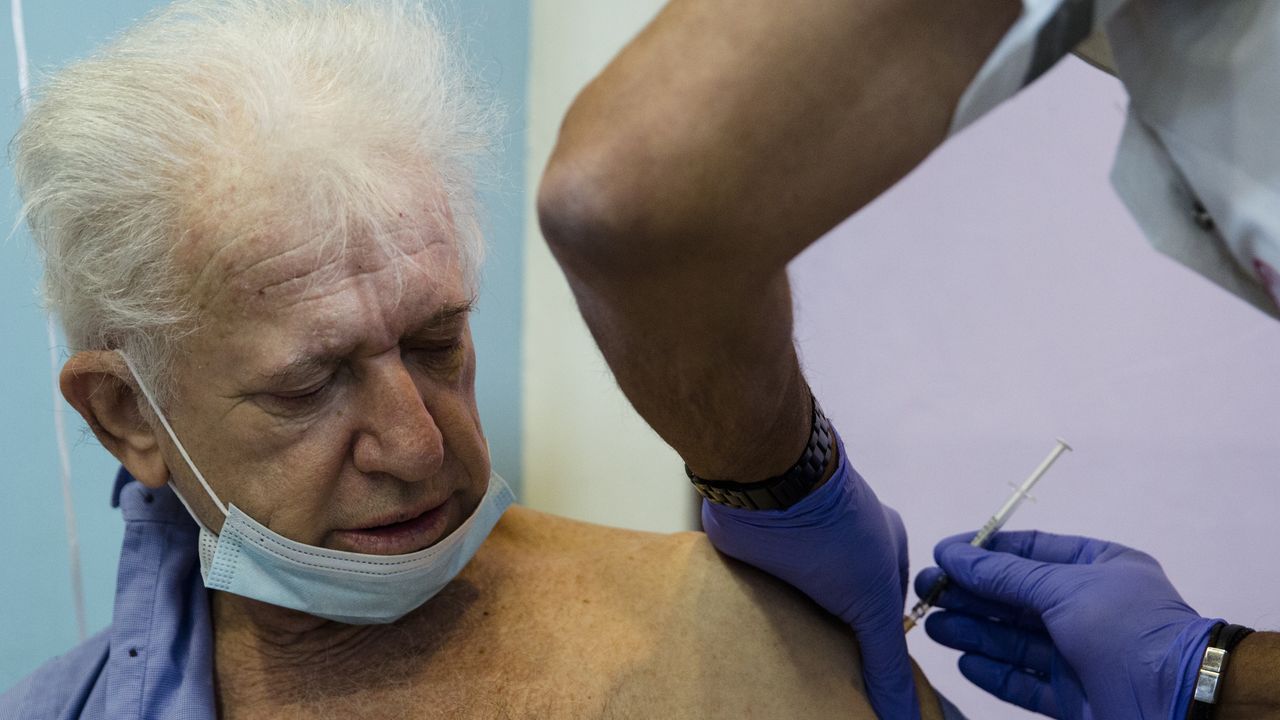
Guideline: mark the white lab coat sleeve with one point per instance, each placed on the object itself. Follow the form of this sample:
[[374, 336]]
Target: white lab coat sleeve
[[1041, 36], [1199, 162]]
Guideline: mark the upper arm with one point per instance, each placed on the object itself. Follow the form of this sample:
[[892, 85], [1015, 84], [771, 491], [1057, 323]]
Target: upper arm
[[757, 123], [725, 138]]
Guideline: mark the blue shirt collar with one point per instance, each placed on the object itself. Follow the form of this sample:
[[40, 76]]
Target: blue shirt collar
[[122, 478], [138, 502]]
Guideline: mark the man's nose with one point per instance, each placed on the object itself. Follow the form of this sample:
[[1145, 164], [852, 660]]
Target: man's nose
[[398, 435]]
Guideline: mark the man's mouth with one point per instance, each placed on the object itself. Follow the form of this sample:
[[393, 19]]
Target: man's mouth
[[399, 537]]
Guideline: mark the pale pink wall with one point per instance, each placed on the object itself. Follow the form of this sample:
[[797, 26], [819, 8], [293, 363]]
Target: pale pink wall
[[1002, 296]]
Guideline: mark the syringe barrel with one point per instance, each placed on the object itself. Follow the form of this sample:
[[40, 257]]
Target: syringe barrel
[[980, 540]]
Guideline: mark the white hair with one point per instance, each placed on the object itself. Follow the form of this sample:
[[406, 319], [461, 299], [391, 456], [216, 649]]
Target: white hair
[[341, 108]]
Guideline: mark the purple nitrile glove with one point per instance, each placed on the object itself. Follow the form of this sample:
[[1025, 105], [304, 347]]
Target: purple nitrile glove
[[848, 553], [1066, 626]]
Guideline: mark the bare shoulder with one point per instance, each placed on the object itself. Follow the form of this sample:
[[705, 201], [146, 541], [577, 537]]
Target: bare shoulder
[[678, 572], [687, 631]]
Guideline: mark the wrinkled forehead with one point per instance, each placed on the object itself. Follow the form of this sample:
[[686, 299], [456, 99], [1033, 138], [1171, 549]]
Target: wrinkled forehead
[[257, 262], [280, 300]]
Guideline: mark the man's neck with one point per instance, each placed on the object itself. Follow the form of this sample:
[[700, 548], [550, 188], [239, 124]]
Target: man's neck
[[274, 660]]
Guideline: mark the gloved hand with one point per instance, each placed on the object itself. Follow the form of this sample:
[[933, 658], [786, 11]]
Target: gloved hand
[[848, 553], [1067, 626]]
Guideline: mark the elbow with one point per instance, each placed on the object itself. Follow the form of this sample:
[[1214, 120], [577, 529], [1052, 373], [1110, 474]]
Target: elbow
[[576, 216], [599, 217]]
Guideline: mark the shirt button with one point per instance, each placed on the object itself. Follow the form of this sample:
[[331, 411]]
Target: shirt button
[[1201, 216]]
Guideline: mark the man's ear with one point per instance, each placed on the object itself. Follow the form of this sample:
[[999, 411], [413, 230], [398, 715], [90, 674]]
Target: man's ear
[[100, 387]]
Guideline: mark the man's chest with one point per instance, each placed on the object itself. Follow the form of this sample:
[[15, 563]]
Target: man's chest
[[496, 662], [593, 691]]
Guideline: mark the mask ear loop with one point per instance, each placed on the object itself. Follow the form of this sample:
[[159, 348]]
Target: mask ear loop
[[178, 443]]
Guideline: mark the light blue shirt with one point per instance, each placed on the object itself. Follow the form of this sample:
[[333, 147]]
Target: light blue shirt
[[156, 658]]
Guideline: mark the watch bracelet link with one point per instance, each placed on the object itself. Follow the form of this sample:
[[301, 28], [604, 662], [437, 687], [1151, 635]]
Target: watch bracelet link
[[1223, 639], [781, 491]]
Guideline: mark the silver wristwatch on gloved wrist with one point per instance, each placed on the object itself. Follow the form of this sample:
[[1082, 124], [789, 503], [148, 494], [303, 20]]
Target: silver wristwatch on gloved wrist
[[781, 491]]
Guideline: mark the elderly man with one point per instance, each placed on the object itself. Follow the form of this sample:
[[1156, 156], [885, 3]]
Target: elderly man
[[257, 225]]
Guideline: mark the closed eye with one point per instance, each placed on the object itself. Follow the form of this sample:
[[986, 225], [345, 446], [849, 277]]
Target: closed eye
[[305, 396], [443, 351]]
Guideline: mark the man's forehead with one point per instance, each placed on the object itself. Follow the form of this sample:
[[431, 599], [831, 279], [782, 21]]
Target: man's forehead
[[280, 315], [288, 360], [282, 266]]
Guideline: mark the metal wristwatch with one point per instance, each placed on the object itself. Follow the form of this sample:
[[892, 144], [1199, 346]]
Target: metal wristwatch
[[784, 490]]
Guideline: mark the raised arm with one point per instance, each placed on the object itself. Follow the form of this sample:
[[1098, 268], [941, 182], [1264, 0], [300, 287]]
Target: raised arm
[[722, 141]]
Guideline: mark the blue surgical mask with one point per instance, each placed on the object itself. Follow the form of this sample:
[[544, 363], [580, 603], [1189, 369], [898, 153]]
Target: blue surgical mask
[[248, 559]]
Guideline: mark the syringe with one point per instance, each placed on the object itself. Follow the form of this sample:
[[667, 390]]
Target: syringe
[[993, 525]]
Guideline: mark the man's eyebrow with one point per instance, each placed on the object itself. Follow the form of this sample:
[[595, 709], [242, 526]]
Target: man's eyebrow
[[447, 316], [305, 366], [300, 367]]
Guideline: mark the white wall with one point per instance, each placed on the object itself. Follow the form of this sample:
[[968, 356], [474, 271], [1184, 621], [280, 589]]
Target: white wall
[[587, 455]]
